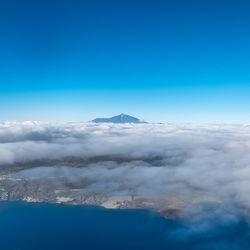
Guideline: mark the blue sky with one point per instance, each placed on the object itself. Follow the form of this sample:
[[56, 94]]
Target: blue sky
[[166, 61]]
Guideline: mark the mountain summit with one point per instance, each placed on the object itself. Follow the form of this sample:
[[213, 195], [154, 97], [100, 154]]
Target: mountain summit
[[122, 118]]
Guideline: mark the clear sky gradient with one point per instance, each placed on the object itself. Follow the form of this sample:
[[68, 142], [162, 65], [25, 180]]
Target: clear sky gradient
[[164, 61]]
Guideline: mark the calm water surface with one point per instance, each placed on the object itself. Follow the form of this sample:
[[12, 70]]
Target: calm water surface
[[47, 226]]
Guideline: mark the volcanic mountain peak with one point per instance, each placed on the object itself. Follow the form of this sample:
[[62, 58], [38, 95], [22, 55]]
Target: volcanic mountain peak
[[122, 118]]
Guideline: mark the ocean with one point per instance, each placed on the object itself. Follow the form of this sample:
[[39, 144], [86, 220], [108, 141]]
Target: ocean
[[25, 226], [51, 226]]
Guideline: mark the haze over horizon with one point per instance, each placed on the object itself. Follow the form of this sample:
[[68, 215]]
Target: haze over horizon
[[163, 61]]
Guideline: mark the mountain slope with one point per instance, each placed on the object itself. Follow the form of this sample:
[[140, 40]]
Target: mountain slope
[[122, 118]]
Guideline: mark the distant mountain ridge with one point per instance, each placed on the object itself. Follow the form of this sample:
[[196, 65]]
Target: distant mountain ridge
[[122, 118]]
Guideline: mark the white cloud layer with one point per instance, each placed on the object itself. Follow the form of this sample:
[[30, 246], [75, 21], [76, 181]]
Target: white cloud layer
[[161, 161]]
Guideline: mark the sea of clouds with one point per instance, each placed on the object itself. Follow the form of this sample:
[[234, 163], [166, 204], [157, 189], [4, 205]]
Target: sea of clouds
[[199, 165], [150, 158]]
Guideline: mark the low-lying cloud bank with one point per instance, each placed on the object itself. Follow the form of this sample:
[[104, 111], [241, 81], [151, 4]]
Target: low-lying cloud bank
[[175, 165], [155, 157]]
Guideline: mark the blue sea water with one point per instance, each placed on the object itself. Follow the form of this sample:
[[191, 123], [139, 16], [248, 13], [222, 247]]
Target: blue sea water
[[47, 226], [42, 226]]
